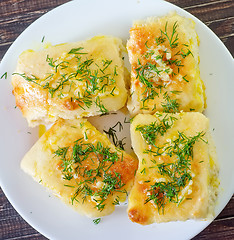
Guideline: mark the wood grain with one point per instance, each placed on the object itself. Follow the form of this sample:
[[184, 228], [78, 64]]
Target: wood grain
[[16, 15]]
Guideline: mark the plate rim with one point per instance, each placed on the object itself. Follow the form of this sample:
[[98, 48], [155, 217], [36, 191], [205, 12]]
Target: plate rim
[[8, 53]]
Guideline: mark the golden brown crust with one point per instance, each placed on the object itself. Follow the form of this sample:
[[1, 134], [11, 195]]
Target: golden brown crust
[[193, 199], [28, 97], [91, 177], [169, 69], [70, 80]]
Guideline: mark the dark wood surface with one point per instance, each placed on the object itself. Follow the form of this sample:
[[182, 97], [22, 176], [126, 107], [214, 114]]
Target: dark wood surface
[[16, 15]]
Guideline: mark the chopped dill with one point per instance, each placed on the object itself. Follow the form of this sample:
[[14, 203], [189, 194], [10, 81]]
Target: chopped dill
[[177, 172], [152, 130], [85, 75], [111, 133], [97, 221], [150, 73], [170, 105], [4, 75], [43, 38], [73, 162]]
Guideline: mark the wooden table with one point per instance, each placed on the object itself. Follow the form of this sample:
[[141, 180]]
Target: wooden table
[[16, 15]]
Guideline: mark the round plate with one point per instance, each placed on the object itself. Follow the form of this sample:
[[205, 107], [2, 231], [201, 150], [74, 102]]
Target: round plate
[[79, 20]]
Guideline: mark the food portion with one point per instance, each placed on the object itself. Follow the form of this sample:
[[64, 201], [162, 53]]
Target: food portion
[[82, 167], [164, 58], [71, 80], [177, 177]]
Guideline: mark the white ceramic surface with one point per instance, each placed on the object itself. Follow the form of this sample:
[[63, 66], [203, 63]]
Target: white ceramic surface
[[79, 20]]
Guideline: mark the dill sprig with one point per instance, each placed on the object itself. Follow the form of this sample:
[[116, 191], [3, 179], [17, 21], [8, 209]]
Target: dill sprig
[[170, 105], [146, 74], [73, 162], [85, 72], [152, 130], [173, 39], [111, 133], [97, 221], [177, 173], [4, 75], [150, 73]]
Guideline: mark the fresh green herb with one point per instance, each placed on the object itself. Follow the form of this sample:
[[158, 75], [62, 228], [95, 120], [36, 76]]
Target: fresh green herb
[[149, 52], [146, 74], [184, 54], [120, 126], [85, 136], [173, 39], [143, 171], [101, 107], [175, 92], [152, 130], [4, 75], [33, 78], [116, 201], [97, 221], [74, 162], [76, 51], [50, 61], [159, 40], [62, 65], [111, 133], [178, 172], [106, 64], [184, 78], [126, 120], [170, 105], [93, 80], [176, 62], [115, 71], [43, 38]]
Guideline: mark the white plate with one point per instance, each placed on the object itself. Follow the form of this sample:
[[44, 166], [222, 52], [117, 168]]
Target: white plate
[[79, 20]]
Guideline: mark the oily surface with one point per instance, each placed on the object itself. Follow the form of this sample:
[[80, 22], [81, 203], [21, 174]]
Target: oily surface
[[81, 167], [156, 166]]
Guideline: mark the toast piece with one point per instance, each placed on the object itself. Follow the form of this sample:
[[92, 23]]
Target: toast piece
[[177, 178], [81, 167], [164, 58], [70, 80]]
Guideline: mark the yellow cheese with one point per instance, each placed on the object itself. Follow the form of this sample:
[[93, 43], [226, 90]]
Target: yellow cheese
[[82, 167], [176, 178], [165, 75], [70, 80]]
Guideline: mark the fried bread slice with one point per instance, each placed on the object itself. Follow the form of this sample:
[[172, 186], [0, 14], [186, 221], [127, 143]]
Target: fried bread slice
[[164, 57], [70, 80], [80, 166], [177, 178]]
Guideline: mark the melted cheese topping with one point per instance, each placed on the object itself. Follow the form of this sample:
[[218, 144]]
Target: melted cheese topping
[[175, 179], [165, 76], [82, 167], [70, 80]]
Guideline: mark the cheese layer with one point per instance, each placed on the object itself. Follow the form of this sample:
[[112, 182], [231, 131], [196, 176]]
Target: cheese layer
[[82, 167], [177, 177], [70, 80], [164, 58]]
